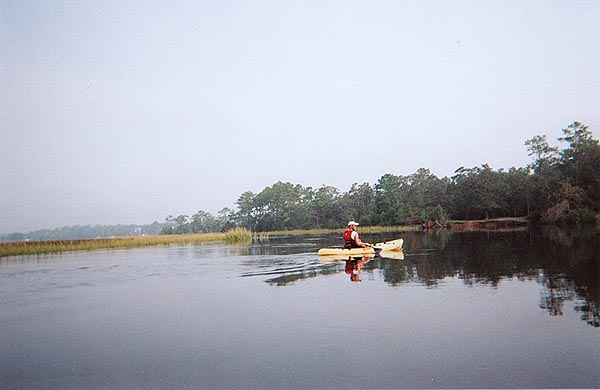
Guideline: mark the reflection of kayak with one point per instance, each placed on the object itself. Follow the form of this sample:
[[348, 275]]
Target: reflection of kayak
[[388, 246], [396, 255]]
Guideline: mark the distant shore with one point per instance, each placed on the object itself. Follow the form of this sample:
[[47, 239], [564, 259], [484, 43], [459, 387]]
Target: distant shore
[[490, 224]]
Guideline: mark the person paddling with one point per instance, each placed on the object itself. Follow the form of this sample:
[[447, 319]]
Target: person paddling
[[351, 237]]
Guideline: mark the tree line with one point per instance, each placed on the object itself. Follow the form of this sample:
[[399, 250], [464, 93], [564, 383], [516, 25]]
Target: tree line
[[560, 186], [82, 232]]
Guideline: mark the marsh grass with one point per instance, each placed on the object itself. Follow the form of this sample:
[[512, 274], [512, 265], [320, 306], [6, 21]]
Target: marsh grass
[[238, 236], [53, 246]]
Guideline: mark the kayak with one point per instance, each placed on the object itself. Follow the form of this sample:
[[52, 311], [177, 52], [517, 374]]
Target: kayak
[[388, 246], [346, 252], [393, 245], [385, 255]]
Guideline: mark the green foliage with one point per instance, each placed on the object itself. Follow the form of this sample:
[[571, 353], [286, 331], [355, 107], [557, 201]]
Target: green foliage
[[201, 222], [436, 216], [560, 186], [568, 188], [544, 155], [580, 161], [478, 192]]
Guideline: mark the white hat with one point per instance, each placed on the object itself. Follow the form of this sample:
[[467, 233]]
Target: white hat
[[352, 223]]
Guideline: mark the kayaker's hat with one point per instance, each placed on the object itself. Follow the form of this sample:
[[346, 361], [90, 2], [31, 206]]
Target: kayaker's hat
[[352, 223]]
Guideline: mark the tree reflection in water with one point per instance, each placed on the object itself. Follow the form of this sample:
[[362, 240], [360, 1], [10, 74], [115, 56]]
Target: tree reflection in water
[[566, 263]]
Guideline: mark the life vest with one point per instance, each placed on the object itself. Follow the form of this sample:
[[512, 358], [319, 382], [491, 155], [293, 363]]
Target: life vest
[[348, 238]]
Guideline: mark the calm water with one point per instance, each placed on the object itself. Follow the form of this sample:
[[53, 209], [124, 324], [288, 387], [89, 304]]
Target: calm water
[[503, 309]]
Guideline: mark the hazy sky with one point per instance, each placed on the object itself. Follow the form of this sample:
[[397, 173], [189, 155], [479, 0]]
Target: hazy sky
[[128, 111]]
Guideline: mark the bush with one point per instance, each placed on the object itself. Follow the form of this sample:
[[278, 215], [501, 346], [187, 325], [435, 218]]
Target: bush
[[434, 216], [561, 214], [581, 216], [555, 214]]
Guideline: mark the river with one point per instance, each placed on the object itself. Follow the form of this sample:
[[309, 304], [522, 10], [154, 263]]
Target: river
[[459, 310]]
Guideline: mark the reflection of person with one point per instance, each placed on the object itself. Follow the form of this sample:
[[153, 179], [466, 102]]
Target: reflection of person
[[353, 268], [351, 237]]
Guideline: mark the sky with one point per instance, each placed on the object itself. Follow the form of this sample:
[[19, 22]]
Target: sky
[[118, 112]]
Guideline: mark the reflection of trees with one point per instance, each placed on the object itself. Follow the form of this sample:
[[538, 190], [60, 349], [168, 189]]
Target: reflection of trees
[[572, 266], [556, 291], [589, 313], [565, 263], [396, 272]]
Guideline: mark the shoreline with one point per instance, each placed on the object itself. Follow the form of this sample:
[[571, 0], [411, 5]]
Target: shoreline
[[489, 224], [25, 248]]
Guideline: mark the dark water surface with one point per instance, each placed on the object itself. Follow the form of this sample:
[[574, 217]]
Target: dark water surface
[[484, 310]]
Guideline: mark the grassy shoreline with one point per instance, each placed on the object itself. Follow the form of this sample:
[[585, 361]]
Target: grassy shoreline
[[234, 236], [55, 246]]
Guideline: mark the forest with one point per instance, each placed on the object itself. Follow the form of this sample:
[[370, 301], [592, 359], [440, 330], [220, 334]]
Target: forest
[[559, 186]]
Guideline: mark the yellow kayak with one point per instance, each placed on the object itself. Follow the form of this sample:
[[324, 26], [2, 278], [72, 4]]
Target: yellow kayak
[[388, 246]]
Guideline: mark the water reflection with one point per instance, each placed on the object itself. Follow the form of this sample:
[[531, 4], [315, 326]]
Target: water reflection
[[565, 263], [354, 266]]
